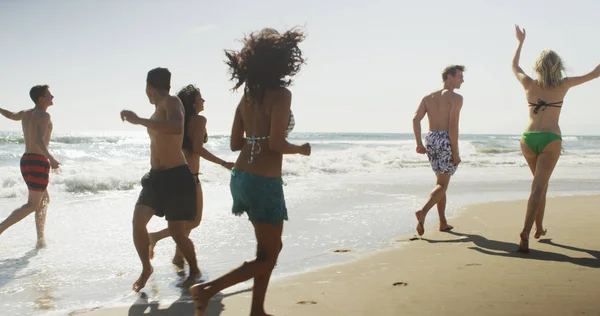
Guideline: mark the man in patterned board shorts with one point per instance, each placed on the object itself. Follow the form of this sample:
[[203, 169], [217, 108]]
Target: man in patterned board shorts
[[443, 109], [36, 162]]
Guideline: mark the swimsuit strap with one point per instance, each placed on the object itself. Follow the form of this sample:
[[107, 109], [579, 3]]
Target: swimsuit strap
[[253, 141], [544, 104]]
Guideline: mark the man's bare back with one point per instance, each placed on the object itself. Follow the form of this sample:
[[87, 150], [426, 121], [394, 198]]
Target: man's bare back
[[165, 149], [33, 124], [438, 105]]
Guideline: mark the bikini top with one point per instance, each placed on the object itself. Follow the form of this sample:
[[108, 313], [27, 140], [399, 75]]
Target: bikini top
[[252, 140], [541, 103]]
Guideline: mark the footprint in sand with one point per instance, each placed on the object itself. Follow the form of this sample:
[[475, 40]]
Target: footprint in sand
[[342, 250], [307, 303], [400, 284]]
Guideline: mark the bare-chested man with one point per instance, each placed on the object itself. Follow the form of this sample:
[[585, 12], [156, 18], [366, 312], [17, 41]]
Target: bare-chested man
[[443, 109], [169, 189], [36, 161]]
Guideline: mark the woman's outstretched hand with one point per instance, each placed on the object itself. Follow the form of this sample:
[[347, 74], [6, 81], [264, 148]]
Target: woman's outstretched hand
[[520, 34]]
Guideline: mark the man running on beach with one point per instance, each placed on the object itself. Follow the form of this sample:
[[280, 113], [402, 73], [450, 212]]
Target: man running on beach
[[169, 189], [443, 109], [36, 161]]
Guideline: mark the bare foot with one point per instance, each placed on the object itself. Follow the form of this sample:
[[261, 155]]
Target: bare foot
[[40, 244], [420, 223], [141, 282], [446, 227], [178, 262], [524, 244], [201, 297], [192, 279], [539, 233], [153, 242]]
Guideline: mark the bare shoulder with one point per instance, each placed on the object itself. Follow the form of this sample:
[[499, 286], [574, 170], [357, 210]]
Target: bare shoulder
[[39, 115], [280, 97], [199, 120], [174, 101], [280, 94], [452, 96]]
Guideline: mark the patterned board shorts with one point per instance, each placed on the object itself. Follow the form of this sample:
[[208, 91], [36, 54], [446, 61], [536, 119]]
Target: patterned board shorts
[[439, 152]]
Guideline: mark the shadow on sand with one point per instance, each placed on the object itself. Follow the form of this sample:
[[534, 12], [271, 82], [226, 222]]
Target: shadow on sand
[[506, 249], [9, 268], [184, 305]]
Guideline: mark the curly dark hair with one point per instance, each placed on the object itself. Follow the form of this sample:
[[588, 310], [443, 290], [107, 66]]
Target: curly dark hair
[[267, 61], [188, 95]]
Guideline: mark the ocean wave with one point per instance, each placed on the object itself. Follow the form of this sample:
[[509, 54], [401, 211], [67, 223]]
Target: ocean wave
[[86, 186], [498, 150]]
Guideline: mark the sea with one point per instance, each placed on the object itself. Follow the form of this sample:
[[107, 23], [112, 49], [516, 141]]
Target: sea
[[356, 192]]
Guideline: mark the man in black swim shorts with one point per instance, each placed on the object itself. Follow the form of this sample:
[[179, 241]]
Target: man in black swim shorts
[[169, 188]]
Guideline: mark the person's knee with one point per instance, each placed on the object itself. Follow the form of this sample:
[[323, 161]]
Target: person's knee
[[46, 200], [538, 191], [195, 223], [268, 257], [178, 234]]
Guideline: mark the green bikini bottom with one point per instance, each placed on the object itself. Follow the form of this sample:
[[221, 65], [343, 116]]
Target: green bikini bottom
[[538, 140]]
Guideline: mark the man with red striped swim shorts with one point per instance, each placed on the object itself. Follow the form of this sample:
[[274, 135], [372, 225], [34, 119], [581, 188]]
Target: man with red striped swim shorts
[[36, 161]]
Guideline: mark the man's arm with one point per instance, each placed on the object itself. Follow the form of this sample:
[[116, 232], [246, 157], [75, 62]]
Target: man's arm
[[13, 116], [173, 124], [419, 115], [453, 128]]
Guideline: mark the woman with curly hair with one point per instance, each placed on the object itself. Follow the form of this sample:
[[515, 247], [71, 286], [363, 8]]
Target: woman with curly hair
[[262, 122], [194, 138], [542, 142]]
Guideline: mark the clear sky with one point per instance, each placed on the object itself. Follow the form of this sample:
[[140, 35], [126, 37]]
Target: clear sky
[[369, 62]]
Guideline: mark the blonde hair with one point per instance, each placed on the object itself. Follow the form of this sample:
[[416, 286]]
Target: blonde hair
[[549, 67]]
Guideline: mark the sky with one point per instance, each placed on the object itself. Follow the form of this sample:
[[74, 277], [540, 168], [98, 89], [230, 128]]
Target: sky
[[369, 63]]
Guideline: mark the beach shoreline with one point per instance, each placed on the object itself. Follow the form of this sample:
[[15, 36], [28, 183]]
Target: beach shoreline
[[480, 272]]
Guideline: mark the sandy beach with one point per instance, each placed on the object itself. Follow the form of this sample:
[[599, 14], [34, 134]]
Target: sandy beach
[[473, 270]]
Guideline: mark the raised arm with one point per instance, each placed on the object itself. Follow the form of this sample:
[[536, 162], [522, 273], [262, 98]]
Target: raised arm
[[453, 127], [12, 116], [524, 79], [280, 117], [419, 115], [575, 81]]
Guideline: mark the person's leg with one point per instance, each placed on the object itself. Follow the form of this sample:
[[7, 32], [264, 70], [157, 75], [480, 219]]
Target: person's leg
[[268, 248], [539, 218], [436, 195], [40, 220], [179, 234], [441, 207], [178, 258], [141, 216], [531, 158], [33, 203], [546, 161]]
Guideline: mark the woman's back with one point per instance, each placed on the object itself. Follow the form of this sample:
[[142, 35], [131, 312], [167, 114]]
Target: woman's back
[[257, 156], [544, 106]]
